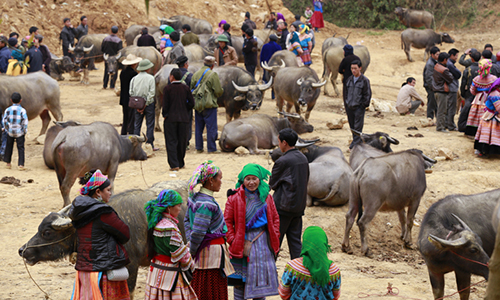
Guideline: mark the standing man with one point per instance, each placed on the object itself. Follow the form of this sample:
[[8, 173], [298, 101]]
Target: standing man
[[206, 88], [143, 85], [111, 45], [249, 22], [183, 64], [46, 57], [177, 49], [33, 31], [146, 40], [126, 76], [271, 24], [67, 36], [495, 69], [283, 27], [265, 55], [225, 54], [469, 74], [227, 33], [489, 47], [250, 51], [442, 78], [5, 54], [359, 94], [289, 179], [452, 96], [428, 82], [82, 29], [189, 38], [35, 57], [345, 67]]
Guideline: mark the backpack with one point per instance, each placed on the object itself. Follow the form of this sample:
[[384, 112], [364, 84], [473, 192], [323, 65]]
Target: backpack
[[199, 93]]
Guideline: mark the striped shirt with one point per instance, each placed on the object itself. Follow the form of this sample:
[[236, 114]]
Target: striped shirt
[[15, 121]]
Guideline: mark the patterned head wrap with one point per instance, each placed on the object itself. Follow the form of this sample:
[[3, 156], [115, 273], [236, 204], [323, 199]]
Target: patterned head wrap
[[314, 251], [155, 208], [484, 67], [95, 181], [261, 173], [201, 174], [303, 28]]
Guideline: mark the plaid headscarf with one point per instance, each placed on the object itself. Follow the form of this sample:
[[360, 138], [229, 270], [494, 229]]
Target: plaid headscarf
[[314, 249], [201, 174], [95, 181], [154, 208], [261, 173], [484, 67]]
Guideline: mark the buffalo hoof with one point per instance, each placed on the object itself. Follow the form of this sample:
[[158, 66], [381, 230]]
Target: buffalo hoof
[[409, 246], [157, 130], [368, 253], [347, 249]]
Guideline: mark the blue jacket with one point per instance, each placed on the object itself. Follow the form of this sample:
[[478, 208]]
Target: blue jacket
[[4, 59], [268, 50]]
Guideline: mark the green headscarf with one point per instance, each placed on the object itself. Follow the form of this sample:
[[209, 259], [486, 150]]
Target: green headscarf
[[261, 173], [314, 249], [168, 30], [155, 208]]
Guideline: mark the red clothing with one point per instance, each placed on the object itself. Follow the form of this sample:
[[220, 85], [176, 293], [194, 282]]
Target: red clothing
[[234, 215]]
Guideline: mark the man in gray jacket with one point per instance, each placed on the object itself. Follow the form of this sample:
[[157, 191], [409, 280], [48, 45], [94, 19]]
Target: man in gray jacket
[[428, 71], [452, 96], [442, 79]]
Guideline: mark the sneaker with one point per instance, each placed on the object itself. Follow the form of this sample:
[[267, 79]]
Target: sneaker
[[174, 169], [199, 151], [22, 168], [156, 149], [214, 152]]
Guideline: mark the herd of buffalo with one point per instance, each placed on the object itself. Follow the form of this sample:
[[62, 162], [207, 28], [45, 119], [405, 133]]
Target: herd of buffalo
[[453, 235]]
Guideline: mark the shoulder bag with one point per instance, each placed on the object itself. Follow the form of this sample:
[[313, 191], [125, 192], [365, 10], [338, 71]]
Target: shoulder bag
[[120, 274], [248, 245], [137, 103]]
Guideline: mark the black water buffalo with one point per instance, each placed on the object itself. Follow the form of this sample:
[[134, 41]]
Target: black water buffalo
[[56, 228], [241, 91], [421, 39], [79, 149], [334, 56], [373, 145], [131, 33], [298, 87], [198, 26], [389, 182], [259, 132], [333, 41], [454, 231], [279, 60], [59, 66], [415, 18], [40, 94], [87, 52], [49, 139], [329, 174]]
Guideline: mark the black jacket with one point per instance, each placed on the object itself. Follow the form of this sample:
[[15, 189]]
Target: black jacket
[[250, 51], [125, 77], [289, 179], [81, 31], [36, 59], [469, 74], [345, 67], [428, 71], [177, 102], [111, 45], [359, 93], [282, 40], [146, 40], [100, 236], [228, 35], [67, 36]]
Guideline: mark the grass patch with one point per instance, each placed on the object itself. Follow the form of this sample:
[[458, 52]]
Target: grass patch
[[374, 33], [489, 13]]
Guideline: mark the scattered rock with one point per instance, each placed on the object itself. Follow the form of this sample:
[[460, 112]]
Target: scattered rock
[[426, 123], [148, 149], [378, 114], [440, 158], [40, 139], [417, 135], [336, 124], [412, 128], [10, 180], [447, 153], [381, 105], [241, 151]]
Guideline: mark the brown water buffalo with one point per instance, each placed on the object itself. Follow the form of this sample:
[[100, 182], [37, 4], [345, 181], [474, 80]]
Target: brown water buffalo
[[259, 132], [40, 94], [79, 149], [389, 182], [333, 41], [198, 26], [456, 235], [56, 229], [49, 139], [415, 18], [298, 87], [133, 30], [87, 52], [334, 56], [421, 39]]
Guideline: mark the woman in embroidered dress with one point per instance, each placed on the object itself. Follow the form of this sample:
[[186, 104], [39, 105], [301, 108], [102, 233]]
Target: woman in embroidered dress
[[100, 238], [167, 251], [206, 232], [305, 44], [487, 139], [165, 42], [313, 275], [250, 214], [480, 86], [294, 42]]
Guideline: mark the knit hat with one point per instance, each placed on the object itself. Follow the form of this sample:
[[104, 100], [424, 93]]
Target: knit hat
[[144, 65], [154, 208], [314, 252], [114, 29], [273, 37], [94, 181], [247, 14], [12, 41], [175, 36], [261, 173], [222, 38], [348, 50]]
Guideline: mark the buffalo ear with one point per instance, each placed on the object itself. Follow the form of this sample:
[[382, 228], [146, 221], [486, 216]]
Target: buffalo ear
[[304, 150], [383, 140]]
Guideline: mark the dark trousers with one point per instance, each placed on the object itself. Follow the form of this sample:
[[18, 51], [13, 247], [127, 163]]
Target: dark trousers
[[292, 228], [190, 129], [3, 139], [106, 78], [414, 105], [431, 103], [356, 118], [175, 142], [251, 69], [128, 120], [464, 115], [207, 118], [442, 110], [10, 147], [149, 113], [452, 109], [67, 53]]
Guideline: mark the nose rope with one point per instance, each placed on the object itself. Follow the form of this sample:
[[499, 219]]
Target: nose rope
[[477, 262]]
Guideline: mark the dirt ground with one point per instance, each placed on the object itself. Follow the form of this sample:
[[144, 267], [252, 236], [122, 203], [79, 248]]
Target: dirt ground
[[22, 208]]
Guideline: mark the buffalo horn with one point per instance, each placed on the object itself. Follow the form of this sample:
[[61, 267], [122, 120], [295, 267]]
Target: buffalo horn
[[282, 64], [295, 116], [62, 221], [105, 56], [441, 243], [302, 145], [310, 141], [356, 132], [334, 34], [70, 48], [118, 55], [462, 223], [88, 49], [265, 66], [427, 158], [143, 139], [347, 36], [392, 140], [159, 19], [264, 87], [299, 81], [57, 58], [242, 89], [317, 85]]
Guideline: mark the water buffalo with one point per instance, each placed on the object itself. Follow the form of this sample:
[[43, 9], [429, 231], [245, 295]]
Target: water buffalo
[[298, 87], [454, 231], [241, 91], [329, 174], [493, 290], [49, 139], [198, 26], [279, 60], [208, 41], [133, 30], [259, 132], [263, 34], [40, 94], [373, 145], [196, 53], [87, 52], [333, 41], [334, 56], [143, 52], [421, 39], [56, 228], [415, 18], [79, 149], [389, 182], [59, 66]]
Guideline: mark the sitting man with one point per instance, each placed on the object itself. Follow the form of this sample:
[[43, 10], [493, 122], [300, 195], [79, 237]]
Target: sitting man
[[405, 103]]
